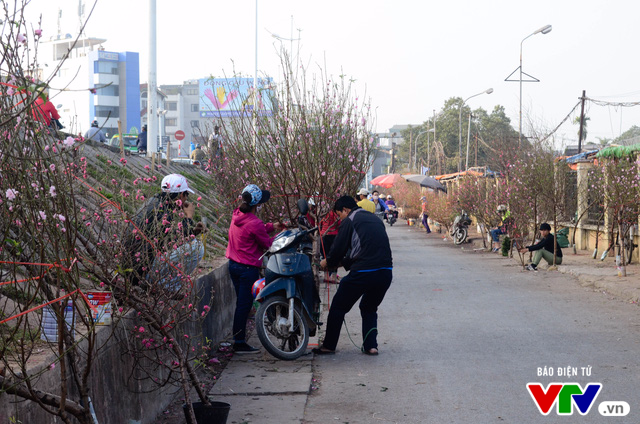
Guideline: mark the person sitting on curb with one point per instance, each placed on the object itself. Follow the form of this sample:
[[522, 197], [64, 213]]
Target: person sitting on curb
[[505, 220], [364, 202], [544, 249], [362, 246]]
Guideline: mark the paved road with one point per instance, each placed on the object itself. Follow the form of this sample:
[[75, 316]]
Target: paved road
[[462, 333]]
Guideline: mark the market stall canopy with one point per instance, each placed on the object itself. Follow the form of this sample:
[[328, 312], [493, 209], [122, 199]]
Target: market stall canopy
[[386, 180], [425, 181]]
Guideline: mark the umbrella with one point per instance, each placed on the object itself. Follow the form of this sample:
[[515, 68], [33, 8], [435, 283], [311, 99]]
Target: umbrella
[[386, 180], [426, 181]]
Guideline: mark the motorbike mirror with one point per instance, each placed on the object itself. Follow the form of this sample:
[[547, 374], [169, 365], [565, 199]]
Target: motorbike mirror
[[303, 206]]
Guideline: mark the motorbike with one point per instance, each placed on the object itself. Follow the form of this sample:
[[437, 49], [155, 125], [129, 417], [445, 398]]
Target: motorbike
[[289, 308], [392, 215], [460, 228]]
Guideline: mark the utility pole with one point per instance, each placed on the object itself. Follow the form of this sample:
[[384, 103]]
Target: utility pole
[[583, 98], [152, 104]]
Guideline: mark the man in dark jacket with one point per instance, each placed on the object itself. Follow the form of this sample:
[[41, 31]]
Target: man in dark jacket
[[362, 246], [544, 249], [141, 141]]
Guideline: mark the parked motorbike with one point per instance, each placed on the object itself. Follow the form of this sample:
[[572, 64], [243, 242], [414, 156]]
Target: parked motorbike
[[289, 309], [460, 228]]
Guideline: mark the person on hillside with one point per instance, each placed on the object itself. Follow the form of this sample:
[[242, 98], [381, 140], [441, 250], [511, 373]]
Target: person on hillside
[[166, 221], [198, 154], [362, 247], [45, 112], [95, 133], [503, 228], [544, 249], [364, 202], [248, 239], [141, 141], [425, 215]]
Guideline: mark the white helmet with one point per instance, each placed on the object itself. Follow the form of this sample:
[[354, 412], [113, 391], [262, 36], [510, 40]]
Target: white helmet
[[502, 208], [389, 196]]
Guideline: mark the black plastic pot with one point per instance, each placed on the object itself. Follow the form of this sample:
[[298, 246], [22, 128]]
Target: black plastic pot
[[217, 413]]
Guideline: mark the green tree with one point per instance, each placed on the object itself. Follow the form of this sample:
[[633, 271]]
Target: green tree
[[584, 126], [494, 132], [634, 131]]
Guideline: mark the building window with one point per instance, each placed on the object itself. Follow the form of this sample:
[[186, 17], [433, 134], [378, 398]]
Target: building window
[[194, 108], [195, 124], [192, 91], [110, 90], [171, 122], [105, 67], [171, 105], [107, 112]]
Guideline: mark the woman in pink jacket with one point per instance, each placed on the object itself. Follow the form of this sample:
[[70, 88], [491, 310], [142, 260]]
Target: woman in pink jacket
[[248, 239]]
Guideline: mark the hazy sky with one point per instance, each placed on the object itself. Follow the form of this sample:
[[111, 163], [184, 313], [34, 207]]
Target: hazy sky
[[409, 56]]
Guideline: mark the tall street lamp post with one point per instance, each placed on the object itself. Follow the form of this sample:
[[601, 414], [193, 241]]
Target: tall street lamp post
[[544, 30], [487, 91]]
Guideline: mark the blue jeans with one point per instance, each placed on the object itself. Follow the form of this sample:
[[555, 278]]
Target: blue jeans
[[371, 287], [495, 234], [243, 277]]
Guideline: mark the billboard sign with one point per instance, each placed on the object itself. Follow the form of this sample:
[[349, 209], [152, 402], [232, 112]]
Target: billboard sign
[[232, 97]]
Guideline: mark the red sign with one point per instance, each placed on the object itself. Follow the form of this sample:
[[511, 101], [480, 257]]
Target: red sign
[[179, 135]]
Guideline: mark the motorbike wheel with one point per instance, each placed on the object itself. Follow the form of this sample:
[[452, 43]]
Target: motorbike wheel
[[274, 336], [460, 236]]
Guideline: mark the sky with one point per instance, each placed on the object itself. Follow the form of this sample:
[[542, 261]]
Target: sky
[[408, 57]]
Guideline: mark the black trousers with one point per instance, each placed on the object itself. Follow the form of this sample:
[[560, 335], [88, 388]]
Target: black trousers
[[371, 287]]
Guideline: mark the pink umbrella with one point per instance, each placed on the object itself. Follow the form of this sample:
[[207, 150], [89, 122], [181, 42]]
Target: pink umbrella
[[386, 180]]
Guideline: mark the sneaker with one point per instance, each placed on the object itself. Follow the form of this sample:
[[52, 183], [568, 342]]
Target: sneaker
[[244, 348], [531, 267]]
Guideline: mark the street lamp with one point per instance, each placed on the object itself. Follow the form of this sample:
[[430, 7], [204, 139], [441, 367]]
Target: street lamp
[[487, 91], [544, 30]]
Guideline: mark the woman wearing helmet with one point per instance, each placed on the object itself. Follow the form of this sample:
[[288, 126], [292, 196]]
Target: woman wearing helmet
[[248, 239]]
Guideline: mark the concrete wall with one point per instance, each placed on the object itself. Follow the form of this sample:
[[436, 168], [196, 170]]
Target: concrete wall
[[117, 395]]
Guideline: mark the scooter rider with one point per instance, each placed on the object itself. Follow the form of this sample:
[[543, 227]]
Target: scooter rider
[[381, 206], [362, 246]]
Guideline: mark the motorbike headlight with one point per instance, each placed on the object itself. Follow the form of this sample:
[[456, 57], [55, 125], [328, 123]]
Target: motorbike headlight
[[281, 242]]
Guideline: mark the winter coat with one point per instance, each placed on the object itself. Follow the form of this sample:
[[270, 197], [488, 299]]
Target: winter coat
[[248, 238]]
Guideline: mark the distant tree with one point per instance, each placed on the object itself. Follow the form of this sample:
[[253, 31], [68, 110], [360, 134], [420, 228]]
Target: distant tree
[[604, 141], [634, 131], [494, 131], [584, 126]]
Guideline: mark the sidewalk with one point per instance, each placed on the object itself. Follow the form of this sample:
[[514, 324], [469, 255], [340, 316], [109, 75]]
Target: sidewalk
[[264, 390], [600, 275]]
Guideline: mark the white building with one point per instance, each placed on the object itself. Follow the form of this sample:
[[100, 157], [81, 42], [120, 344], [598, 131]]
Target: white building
[[90, 83]]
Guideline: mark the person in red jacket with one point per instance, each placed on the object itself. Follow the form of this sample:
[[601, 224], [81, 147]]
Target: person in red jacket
[[45, 112], [248, 239], [329, 230]]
